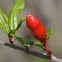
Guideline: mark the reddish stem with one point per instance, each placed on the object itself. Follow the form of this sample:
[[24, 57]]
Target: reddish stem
[[11, 39], [47, 49]]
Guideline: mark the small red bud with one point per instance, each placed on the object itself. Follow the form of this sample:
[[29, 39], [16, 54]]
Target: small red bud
[[36, 28]]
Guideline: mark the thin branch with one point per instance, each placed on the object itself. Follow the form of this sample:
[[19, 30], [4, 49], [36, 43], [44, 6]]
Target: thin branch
[[31, 52]]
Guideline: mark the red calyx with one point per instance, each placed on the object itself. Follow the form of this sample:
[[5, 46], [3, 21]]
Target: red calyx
[[37, 30]]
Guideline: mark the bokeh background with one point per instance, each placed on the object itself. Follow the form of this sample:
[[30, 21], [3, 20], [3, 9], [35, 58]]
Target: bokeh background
[[50, 14]]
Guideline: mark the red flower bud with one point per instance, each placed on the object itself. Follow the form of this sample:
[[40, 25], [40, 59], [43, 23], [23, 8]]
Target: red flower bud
[[36, 28]]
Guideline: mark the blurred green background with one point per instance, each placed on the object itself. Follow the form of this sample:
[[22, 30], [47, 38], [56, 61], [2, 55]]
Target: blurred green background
[[50, 14]]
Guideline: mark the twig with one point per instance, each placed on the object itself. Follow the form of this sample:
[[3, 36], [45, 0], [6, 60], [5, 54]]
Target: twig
[[31, 52]]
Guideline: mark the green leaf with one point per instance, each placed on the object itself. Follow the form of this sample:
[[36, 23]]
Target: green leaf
[[30, 43], [13, 17], [19, 25], [27, 45], [48, 34], [17, 37], [3, 25], [22, 19], [6, 18], [38, 43], [42, 46], [9, 35]]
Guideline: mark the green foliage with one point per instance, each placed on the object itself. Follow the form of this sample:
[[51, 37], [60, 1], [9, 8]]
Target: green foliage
[[47, 37], [38, 42], [40, 45], [48, 34], [26, 45], [6, 18], [3, 25], [19, 25], [30, 43], [9, 35], [17, 37], [21, 40], [10, 24], [13, 17], [49, 31]]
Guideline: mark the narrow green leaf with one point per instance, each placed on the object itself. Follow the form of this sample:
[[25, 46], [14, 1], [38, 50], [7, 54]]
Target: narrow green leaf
[[19, 25], [6, 18], [30, 43], [22, 19], [42, 46], [3, 25], [27, 45], [17, 37], [49, 31], [13, 17], [47, 36], [38, 43]]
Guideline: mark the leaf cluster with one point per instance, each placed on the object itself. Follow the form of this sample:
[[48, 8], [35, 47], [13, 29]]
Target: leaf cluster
[[10, 24]]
